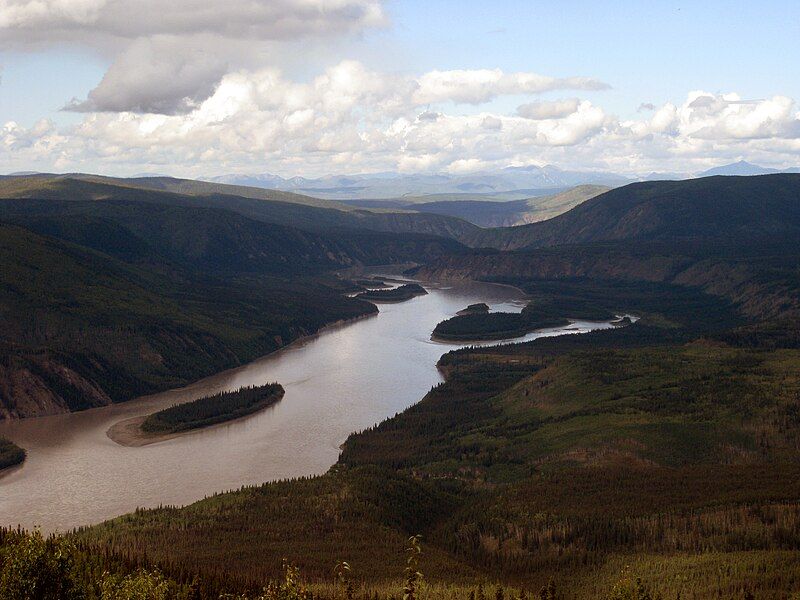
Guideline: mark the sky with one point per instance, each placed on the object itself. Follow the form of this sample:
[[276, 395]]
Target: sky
[[312, 87]]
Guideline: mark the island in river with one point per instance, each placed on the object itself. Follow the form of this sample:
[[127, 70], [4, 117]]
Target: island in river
[[476, 323], [200, 413], [398, 294]]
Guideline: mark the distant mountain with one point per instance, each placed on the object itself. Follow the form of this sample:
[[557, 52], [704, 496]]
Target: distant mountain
[[708, 208], [396, 185], [740, 168], [743, 168]]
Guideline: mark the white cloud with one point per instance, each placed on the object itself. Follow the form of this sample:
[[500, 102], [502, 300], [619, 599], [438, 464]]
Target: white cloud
[[548, 110], [55, 20], [482, 85], [350, 118], [167, 56]]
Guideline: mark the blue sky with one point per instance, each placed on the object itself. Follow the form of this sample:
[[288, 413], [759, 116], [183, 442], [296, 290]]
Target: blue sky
[[126, 74], [648, 51]]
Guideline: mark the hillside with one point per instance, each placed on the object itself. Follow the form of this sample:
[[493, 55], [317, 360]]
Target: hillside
[[263, 205], [212, 239], [81, 329], [708, 208]]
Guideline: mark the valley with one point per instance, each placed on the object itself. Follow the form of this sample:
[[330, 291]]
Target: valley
[[546, 459]]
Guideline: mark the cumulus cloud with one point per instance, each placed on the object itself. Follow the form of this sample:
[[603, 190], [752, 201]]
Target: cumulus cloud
[[482, 85], [168, 56], [351, 118], [720, 117], [156, 75], [548, 110], [253, 19]]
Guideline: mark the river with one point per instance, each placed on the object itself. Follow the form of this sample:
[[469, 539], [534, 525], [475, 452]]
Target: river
[[345, 379]]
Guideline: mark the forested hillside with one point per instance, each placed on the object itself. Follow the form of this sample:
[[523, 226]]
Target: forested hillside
[[82, 329], [262, 205], [720, 208], [162, 281]]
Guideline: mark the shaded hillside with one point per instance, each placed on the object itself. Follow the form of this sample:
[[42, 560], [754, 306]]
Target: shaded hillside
[[81, 329], [762, 279], [213, 239], [262, 205], [708, 208]]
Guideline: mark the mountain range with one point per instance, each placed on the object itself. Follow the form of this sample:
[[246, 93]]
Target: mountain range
[[510, 183]]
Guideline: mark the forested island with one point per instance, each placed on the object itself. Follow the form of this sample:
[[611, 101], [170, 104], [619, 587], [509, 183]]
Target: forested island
[[203, 412], [211, 410], [10, 454], [398, 294], [476, 322]]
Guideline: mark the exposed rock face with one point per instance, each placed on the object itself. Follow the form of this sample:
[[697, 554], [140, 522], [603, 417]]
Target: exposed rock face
[[34, 388]]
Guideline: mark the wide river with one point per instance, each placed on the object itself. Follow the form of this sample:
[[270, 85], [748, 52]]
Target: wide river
[[345, 379]]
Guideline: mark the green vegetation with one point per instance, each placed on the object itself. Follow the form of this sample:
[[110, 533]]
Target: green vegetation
[[371, 284], [55, 568], [478, 324], [705, 208], [660, 459], [398, 294], [10, 454], [211, 410]]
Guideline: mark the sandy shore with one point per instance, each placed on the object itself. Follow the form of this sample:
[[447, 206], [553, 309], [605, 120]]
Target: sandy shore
[[129, 433]]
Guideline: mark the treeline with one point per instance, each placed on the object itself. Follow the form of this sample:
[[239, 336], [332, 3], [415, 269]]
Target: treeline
[[56, 568], [211, 410], [10, 454], [398, 294]]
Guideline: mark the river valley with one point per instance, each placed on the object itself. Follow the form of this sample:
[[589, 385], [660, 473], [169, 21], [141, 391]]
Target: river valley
[[345, 379]]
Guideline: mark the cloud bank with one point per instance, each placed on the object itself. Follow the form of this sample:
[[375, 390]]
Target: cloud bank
[[350, 118]]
